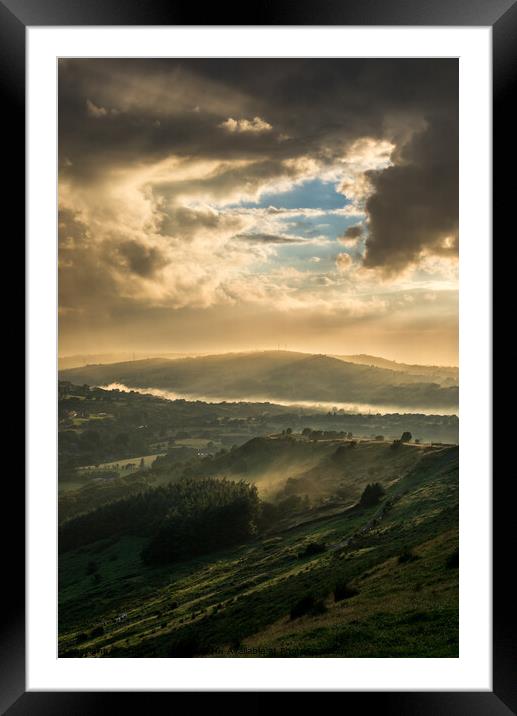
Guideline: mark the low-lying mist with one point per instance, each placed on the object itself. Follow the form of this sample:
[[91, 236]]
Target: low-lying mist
[[318, 406]]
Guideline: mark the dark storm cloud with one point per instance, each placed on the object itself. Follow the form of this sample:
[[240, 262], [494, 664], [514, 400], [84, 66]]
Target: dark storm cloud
[[353, 232], [143, 260], [85, 281], [269, 239], [117, 114], [414, 207]]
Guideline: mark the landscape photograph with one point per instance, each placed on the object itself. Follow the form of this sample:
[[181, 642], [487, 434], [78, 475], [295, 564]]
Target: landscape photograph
[[258, 380]]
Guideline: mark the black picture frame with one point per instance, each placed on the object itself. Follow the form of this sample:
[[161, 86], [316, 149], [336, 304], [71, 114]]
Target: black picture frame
[[15, 17]]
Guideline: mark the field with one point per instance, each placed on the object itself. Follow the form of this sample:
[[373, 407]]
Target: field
[[122, 466]]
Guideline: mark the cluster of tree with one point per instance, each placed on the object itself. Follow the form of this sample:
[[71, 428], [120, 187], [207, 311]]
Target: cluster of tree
[[326, 434], [104, 444], [96, 492], [183, 519], [404, 438], [139, 514], [206, 515]]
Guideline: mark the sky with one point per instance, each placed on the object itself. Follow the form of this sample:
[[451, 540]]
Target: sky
[[218, 205]]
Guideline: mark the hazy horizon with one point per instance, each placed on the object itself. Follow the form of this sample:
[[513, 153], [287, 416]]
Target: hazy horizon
[[143, 355]]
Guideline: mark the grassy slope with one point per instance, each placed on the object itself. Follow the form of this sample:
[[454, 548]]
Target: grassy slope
[[237, 601], [317, 468], [313, 468]]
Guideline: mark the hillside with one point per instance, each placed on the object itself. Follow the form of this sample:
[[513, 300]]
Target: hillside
[[323, 468], [273, 375], [392, 565], [84, 359], [104, 435], [443, 375]]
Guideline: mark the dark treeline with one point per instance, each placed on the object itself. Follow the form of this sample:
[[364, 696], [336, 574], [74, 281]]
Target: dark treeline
[[206, 515], [183, 519]]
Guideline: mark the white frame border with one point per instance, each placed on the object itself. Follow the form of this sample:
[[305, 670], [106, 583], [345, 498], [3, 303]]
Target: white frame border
[[472, 670]]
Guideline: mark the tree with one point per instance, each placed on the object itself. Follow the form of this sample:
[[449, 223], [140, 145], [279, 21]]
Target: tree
[[405, 437], [372, 494], [142, 463]]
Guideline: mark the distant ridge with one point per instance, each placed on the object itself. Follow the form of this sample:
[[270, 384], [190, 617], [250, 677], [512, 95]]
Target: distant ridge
[[273, 375], [444, 375], [82, 359]]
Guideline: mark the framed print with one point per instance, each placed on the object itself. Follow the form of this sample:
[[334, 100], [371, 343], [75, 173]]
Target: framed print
[[258, 354]]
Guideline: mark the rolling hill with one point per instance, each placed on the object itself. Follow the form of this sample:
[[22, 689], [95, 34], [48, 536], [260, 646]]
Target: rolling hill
[[398, 560], [273, 375], [322, 468], [443, 375]]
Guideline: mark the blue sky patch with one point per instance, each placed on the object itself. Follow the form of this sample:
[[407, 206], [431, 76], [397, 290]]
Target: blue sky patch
[[311, 194]]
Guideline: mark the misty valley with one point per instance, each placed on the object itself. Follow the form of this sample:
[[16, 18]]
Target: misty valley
[[255, 528]]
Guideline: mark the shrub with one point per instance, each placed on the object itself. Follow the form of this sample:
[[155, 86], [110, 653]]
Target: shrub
[[308, 605], [418, 617], [343, 590], [453, 560], [97, 631], [407, 556], [312, 549], [372, 494]]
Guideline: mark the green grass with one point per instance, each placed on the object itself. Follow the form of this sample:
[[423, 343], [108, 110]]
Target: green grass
[[237, 602], [120, 464], [196, 442]]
